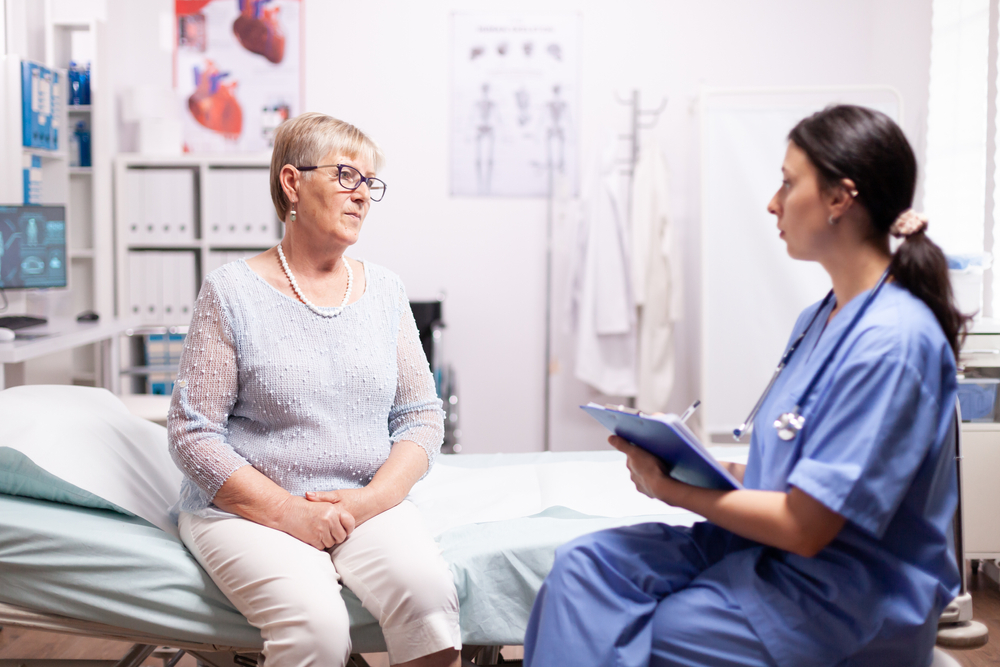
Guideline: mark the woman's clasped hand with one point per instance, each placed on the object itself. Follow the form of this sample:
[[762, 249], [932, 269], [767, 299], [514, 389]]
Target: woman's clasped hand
[[318, 522]]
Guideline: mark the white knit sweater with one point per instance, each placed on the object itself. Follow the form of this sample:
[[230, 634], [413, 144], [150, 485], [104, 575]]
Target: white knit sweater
[[314, 403]]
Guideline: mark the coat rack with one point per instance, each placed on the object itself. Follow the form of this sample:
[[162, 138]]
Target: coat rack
[[640, 119]]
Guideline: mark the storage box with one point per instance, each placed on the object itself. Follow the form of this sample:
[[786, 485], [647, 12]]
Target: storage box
[[977, 398]]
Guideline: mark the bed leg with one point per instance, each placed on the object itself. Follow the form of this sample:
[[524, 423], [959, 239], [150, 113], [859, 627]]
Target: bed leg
[[136, 655], [482, 655], [174, 660], [225, 659]]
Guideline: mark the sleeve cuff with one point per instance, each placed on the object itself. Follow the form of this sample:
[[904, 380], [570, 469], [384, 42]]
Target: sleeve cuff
[[831, 486]]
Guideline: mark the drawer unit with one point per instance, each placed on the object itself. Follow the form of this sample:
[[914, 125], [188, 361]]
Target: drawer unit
[[980, 490]]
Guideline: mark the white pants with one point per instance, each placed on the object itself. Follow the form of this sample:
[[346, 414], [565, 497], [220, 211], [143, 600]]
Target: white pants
[[291, 591]]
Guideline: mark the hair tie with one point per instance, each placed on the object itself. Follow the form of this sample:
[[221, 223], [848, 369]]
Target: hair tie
[[908, 223]]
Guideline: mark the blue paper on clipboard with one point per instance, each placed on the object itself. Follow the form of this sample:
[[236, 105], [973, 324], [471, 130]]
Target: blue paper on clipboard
[[668, 438]]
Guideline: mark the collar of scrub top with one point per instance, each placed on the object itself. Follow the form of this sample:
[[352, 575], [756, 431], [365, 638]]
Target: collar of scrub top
[[790, 423]]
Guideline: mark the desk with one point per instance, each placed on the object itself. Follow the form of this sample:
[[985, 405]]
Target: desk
[[60, 335]]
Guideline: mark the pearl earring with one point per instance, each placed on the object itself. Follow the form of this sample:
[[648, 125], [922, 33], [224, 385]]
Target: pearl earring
[[292, 217]]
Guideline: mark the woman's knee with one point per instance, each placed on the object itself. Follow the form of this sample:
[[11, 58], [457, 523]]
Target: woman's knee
[[309, 631], [424, 588]]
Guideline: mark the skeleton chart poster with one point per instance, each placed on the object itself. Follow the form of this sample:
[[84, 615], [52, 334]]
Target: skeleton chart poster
[[237, 72], [515, 99]]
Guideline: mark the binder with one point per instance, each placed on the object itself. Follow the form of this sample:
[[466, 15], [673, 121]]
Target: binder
[[667, 437], [216, 200], [134, 203], [216, 258], [185, 281], [210, 223], [182, 207], [170, 293], [150, 208], [153, 288], [263, 221], [136, 284]]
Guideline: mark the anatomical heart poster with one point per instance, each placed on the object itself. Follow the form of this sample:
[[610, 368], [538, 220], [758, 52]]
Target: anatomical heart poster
[[237, 72]]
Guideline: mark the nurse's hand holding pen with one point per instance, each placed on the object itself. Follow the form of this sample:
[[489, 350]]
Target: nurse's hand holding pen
[[792, 521]]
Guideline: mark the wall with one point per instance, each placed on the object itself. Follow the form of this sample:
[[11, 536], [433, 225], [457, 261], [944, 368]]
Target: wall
[[488, 255], [140, 34]]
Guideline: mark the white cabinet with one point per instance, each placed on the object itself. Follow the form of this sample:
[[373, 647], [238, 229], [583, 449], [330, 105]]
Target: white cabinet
[[981, 450], [981, 490]]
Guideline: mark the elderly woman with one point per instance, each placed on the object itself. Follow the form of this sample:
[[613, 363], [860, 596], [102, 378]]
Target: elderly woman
[[304, 411]]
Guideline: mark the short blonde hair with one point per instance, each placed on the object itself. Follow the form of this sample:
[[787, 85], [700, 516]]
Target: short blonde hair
[[306, 139]]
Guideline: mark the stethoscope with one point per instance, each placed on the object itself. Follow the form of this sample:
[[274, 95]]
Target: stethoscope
[[789, 424]]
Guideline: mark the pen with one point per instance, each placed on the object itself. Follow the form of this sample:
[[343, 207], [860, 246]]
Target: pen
[[690, 410]]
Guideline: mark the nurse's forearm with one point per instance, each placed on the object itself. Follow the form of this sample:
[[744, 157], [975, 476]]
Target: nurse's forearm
[[793, 521]]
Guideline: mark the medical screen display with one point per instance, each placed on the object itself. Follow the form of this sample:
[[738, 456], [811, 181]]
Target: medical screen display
[[32, 247]]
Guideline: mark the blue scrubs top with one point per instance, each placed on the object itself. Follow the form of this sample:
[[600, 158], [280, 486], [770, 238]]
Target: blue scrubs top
[[872, 450]]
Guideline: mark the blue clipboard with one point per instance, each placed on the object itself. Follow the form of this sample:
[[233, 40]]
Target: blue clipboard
[[668, 438]]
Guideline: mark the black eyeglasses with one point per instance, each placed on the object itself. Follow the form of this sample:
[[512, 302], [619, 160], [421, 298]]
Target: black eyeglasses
[[351, 179]]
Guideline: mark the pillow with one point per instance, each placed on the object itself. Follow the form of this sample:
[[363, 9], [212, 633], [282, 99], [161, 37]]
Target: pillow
[[81, 446], [19, 476]]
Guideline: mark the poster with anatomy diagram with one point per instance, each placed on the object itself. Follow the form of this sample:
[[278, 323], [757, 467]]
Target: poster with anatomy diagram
[[515, 103], [237, 71]]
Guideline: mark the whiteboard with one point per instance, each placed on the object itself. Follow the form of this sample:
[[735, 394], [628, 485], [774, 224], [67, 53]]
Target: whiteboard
[[752, 291]]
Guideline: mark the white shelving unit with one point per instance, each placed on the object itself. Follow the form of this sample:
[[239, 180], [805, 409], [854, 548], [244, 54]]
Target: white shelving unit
[[85, 192], [176, 219], [55, 170], [89, 221]]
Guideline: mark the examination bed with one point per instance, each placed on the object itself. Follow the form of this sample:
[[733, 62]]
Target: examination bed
[[87, 545]]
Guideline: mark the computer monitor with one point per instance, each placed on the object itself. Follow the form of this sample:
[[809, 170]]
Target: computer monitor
[[32, 247]]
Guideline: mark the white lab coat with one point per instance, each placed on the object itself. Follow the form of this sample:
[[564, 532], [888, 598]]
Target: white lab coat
[[656, 276], [603, 304]]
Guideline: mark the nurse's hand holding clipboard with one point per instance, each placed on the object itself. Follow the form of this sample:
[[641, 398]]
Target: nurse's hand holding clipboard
[[793, 521]]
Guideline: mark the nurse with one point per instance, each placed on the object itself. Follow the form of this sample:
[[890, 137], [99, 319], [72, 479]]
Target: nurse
[[836, 551]]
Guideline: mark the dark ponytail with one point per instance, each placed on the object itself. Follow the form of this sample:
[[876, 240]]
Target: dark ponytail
[[868, 148]]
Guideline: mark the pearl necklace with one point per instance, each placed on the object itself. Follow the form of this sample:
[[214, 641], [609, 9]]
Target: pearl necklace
[[325, 312]]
